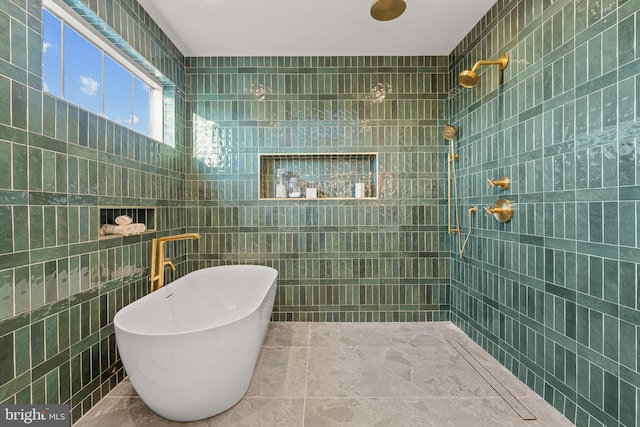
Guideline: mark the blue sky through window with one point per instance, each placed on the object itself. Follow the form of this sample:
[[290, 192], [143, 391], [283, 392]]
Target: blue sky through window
[[117, 92], [121, 97], [51, 50], [141, 112], [82, 72]]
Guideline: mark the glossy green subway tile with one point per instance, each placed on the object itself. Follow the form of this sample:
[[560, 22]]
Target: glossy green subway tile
[[18, 42], [37, 285], [61, 120], [65, 380], [611, 340], [6, 294], [52, 385], [5, 164], [49, 116], [51, 336], [62, 225], [5, 30], [22, 348], [626, 38], [72, 172], [610, 56], [34, 47], [38, 390], [609, 103], [36, 227], [50, 225], [48, 171], [50, 282], [37, 343], [63, 277], [5, 92], [6, 229], [74, 324], [72, 125], [22, 290], [76, 374], [60, 173], [84, 320], [34, 115], [18, 105], [7, 359]]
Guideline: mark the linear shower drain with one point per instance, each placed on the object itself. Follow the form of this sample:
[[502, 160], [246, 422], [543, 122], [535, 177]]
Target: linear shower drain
[[502, 391]]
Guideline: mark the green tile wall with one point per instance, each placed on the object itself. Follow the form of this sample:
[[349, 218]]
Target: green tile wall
[[553, 294], [347, 260], [59, 285]]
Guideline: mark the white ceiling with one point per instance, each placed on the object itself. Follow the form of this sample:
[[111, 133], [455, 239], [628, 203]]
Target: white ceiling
[[313, 27]]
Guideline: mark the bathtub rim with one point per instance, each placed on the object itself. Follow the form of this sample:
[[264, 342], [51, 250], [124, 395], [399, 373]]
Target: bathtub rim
[[195, 331]]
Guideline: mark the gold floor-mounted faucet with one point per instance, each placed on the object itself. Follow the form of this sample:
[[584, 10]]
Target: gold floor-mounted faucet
[[158, 260]]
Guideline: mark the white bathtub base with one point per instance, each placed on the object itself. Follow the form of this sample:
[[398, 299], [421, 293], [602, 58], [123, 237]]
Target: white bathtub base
[[195, 372]]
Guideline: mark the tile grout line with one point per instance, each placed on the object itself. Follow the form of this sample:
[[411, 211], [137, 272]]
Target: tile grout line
[[506, 395], [412, 397], [306, 375]]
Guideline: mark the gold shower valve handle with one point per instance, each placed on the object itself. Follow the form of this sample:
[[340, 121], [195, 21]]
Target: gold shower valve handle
[[502, 210], [503, 182]]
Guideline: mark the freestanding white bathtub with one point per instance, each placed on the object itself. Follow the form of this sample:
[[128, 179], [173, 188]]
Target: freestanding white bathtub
[[190, 348]]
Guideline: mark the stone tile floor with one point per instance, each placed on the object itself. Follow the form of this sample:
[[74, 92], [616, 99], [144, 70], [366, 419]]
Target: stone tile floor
[[361, 374]]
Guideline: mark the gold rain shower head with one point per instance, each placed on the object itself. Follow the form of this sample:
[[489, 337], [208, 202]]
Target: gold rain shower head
[[469, 78], [386, 10], [449, 132]]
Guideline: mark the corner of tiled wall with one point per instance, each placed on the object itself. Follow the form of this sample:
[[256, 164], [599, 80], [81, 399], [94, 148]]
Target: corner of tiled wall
[[553, 293], [59, 284], [339, 260]]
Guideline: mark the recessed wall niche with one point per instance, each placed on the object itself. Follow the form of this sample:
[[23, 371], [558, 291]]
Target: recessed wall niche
[[146, 216], [325, 176]]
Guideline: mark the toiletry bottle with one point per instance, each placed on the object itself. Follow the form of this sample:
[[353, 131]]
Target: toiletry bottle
[[294, 188], [281, 183]]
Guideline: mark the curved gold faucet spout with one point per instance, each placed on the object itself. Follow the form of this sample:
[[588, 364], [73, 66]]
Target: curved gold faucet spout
[[173, 238], [168, 262], [158, 260]]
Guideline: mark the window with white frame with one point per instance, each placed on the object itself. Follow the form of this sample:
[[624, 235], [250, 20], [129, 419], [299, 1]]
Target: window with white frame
[[82, 67]]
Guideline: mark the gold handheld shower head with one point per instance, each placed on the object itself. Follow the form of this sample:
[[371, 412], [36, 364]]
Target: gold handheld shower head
[[449, 132], [469, 78], [386, 10]]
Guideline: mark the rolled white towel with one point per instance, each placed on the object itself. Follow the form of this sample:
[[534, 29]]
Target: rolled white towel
[[123, 220], [123, 230]]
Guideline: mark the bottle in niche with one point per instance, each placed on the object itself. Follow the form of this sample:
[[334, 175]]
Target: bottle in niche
[[368, 186], [281, 183], [294, 188]]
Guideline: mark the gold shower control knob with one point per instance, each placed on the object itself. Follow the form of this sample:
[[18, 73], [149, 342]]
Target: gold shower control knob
[[503, 182], [502, 210]]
